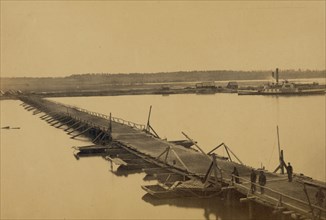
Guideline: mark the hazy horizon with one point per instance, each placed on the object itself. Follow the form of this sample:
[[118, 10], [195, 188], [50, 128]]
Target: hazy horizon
[[181, 71], [62, 38]]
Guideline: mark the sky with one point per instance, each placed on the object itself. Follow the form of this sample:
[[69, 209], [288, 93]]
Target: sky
[[60, 38]]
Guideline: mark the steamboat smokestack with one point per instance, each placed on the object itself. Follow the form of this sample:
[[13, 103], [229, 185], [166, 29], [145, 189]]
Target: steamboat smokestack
[[276, 75]]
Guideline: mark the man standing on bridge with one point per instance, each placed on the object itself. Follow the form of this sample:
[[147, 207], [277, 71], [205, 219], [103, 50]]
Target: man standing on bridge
[[289, 170], [235, 175], [262, 181], [253, 178]]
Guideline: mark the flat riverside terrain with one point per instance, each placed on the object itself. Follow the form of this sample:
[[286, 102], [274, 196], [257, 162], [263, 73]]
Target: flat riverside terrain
[[168, 88]]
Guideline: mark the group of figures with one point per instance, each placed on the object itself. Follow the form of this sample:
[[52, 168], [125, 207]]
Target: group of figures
[[320, 196], [253, 179]]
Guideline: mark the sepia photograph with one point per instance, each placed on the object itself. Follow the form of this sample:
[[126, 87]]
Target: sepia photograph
[[212, 110]]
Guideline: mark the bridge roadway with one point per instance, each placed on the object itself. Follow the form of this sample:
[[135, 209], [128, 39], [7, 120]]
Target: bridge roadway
[[278, 191]]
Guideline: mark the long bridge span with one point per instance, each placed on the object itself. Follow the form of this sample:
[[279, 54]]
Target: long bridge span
[[182, 167]]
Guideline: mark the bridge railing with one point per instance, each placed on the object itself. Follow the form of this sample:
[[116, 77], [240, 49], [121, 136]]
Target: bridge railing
[[280, 198], [115, 119]]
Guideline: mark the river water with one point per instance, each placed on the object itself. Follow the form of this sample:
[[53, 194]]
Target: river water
[[40, 178]]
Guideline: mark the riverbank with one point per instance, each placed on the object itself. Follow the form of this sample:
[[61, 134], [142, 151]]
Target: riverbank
[[154, 89]]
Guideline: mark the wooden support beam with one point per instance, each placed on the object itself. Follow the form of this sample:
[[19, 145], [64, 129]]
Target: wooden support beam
[[179, 159], [71, 126], [55, 123], [214, 149], [167, 154], [227, 151], [288, 212], [208, 173], [277, 168], [248, 198], [75, 129], [281, 167], [71, 119], [59, 120], [149, 128], [279, 208], [36, 112], [233, 154], [212, 168], [152, 129], [53, 118], [81, 133], [308, 199], [97, 137], [148, 120], [46, 117], [194, 142], [110, 124], [47, 114], [43, 116], [104, 136], [166, 151], [29, 108]]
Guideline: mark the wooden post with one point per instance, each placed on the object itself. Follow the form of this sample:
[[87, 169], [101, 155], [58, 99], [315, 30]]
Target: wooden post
[[149, 128], [110, 124], [148, 120], [279, 151]]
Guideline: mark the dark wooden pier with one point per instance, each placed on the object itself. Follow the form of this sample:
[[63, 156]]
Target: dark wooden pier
[[181, 167]]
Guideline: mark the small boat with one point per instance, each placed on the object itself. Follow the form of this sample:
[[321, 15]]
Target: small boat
[[8, 127], [206, 88], [188, 188], [91, 150], [184, 143], [161, 191]]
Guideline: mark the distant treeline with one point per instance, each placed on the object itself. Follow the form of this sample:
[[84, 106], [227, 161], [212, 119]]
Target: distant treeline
[[105, 80], [194, 76]]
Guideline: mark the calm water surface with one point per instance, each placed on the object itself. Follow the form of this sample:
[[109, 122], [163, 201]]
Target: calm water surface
[[40, 179]]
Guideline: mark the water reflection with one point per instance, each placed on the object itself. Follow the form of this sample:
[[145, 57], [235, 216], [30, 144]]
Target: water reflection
[[217, 207], [124, 171]]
